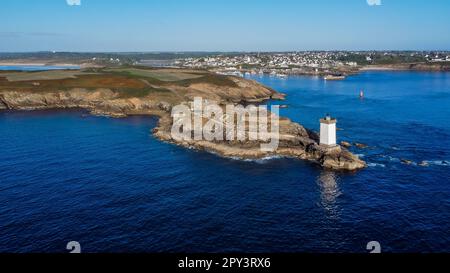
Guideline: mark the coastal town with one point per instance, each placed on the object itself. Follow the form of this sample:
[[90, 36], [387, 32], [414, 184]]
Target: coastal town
[[334, 64], [272, 63]]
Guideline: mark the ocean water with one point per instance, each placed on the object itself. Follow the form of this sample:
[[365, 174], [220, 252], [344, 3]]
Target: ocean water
[[108, 184]]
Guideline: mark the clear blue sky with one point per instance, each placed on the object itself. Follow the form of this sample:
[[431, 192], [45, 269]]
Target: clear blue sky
[[223, 25]]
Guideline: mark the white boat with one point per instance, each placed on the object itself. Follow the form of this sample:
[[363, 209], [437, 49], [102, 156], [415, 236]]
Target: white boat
[[334, 77]]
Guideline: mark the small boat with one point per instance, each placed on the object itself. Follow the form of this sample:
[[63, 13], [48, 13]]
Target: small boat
[[334, 77]]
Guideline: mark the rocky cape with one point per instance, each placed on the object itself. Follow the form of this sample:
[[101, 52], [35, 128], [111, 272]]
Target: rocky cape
[[428, 67], [295, 140]]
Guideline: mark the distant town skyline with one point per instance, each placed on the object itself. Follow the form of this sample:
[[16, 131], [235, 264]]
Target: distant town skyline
[[244, 26]]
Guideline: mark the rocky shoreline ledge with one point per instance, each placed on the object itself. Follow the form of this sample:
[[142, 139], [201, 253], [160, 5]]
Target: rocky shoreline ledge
[[295, 141]]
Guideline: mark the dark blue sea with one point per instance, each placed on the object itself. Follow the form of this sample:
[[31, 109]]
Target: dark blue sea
[[110, 185]]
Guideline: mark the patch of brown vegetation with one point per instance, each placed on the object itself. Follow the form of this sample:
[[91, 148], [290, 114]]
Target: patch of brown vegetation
[[114, 82]]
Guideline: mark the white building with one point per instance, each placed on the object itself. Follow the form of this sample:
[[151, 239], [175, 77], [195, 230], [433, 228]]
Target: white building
[[328, 131]]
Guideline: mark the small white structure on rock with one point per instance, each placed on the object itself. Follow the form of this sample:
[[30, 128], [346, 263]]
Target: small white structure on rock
[[328, 131]]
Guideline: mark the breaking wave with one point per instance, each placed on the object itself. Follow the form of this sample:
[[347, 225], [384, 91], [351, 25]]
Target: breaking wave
[[258, 160], [438, 163], [375, 165]]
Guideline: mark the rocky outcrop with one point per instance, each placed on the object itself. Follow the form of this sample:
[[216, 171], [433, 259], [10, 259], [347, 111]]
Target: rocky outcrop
[[294, 141], [101, 102], [243, 91], [3, 104], [346, 144], [361, 146]]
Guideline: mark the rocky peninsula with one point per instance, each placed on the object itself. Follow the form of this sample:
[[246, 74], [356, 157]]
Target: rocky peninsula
[[123, 91]]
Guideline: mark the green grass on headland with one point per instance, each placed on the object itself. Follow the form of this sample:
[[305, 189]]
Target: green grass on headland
[[160, 74], [127, 81], [214, 79]]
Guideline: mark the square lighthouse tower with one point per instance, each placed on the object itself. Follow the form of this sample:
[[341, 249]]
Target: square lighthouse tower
[[328, 131]]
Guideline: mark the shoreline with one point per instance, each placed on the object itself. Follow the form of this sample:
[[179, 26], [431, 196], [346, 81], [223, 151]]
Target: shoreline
[[361, 70], [424, 67], [420, 67], [386, 68]]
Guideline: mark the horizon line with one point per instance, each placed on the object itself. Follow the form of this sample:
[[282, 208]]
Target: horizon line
[[231, 51]]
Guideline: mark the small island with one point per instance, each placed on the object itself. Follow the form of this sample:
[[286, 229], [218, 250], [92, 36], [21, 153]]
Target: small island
[[135, 90]]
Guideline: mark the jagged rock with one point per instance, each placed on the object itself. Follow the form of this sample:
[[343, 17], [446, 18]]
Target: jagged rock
[[346, 144], [298, 144], [361, 146], [165, 106], [407, 161]]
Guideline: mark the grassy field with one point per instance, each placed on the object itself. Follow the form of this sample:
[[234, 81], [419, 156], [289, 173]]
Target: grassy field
[[127, 81], [158, 74], [219, 80], [40, 75]]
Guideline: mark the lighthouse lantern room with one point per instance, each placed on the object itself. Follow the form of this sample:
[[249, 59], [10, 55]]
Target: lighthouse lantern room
[[328, 131]]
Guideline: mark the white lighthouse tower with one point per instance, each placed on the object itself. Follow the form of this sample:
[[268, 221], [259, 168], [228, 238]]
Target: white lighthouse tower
[[328, 131]]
